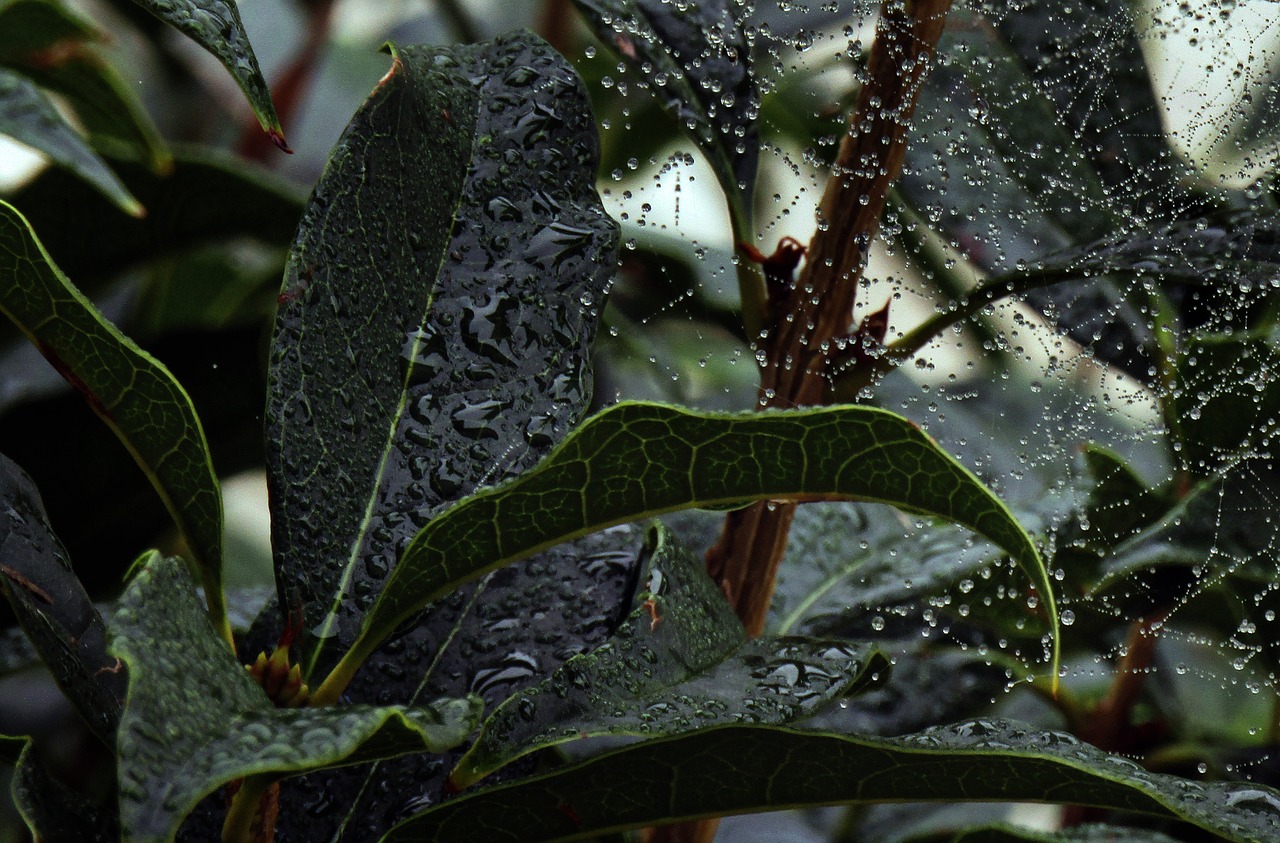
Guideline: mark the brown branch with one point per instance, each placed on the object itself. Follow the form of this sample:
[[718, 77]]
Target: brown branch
[[817, 310], [809, 316], [555, 24], [1109, 726]]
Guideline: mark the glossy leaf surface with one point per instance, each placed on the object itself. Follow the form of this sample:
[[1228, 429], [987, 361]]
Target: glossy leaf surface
[[195, 720], [494, 638], [681, 661], [29, 117], [737, 769], [216, 26], [126, 387], [52, 606], [436, 313], [634, 460], [698, 63]]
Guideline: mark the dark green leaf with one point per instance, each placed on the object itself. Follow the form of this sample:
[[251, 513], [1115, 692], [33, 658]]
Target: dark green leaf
[[493, 639], [128, 389], [112, 115], [28, 26], [738, 769], [27, 116], [698, 63], [436, 314], [1227, 399], [55, 813], [682, 660], [11, 747], [50, 44], [635, 460], [1079, 834], [1222, 527], [1119, 503], [52, 605], [215, 25], [207, 196], [1119, 125], [195, 720]]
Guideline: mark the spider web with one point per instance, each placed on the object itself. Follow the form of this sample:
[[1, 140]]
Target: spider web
[[1125, 415]]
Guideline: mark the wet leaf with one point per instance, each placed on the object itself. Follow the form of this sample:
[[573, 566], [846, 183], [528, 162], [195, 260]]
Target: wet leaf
[[215, 25], [27, 116], [51, 45], [1119, 504], [681, 661], [1222, 527], [195, 720], [697, 61], [492, 639], [634, 460], [1226, 398], [436, 314], [740, 769], [1078, 834], [1119, 126], [1216, 269], [207, 196], [55, 813], [126, 387], [53, 608]]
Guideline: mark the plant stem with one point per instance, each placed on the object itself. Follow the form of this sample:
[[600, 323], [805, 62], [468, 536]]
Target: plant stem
[[239, 826], [556, 25], [818, 309]]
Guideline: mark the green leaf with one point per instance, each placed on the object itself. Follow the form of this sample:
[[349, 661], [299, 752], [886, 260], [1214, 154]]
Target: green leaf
[[436, 315], [207, 196], [29, 26], [216, 26], [1227, 401], [1080, 834], [195, 720], [27, 116], [109, 109], [740, 769], [11, 747], [635, 460], [1119, 504], [126, 387], [1120, 127], [52, 606], [49, 44], [681, 660], [55, 813], [697, 61]]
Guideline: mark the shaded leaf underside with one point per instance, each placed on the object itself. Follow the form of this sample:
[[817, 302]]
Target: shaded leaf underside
[[737, 769]]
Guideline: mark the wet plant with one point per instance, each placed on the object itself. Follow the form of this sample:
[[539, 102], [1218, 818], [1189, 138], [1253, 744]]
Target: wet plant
[[509, 607]]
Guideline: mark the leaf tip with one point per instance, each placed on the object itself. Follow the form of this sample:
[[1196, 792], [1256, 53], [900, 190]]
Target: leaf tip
[[277, 137]]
